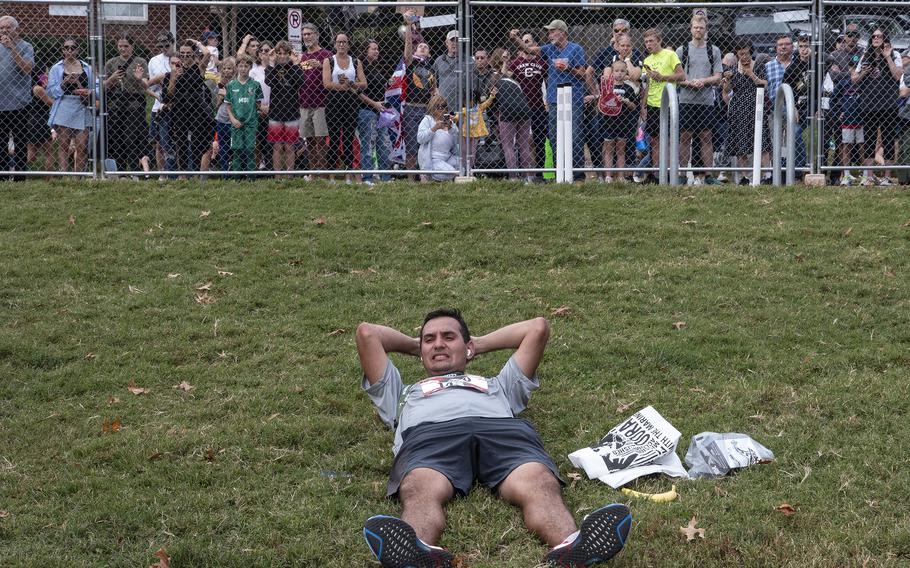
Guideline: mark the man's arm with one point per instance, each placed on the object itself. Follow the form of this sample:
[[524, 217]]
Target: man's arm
[[528, 338], [375, 342]]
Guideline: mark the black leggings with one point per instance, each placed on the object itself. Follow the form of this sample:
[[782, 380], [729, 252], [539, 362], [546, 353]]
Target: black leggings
[[341, 115]]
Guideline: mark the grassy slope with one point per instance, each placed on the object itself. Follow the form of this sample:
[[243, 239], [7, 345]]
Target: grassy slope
[[796, 305]]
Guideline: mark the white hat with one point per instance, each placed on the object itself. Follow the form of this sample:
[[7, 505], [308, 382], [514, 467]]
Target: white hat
[[453, 34], [557, 25]]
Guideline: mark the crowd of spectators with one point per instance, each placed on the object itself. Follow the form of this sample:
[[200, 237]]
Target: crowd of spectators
[[277, 109]]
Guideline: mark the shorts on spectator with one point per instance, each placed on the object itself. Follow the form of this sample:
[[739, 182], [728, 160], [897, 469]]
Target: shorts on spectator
[[652, 123], [283, 132], [465, 449], [410, 123], [312, 123], [852, 135], [697, 118]]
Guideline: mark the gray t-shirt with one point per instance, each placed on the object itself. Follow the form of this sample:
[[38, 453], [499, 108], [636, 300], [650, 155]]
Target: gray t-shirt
[[445, 68], [502, 396], [15, 85], [698, 67]]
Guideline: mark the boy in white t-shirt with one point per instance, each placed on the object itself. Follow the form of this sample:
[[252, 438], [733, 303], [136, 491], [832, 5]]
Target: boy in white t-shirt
[[210, 42]]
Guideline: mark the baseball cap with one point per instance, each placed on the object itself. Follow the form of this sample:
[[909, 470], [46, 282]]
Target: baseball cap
[[208, 35], [164, 38], [557, 25], [453, 34], [852, 33]]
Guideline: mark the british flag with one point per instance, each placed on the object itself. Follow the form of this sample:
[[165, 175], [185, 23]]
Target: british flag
[[395, 94]]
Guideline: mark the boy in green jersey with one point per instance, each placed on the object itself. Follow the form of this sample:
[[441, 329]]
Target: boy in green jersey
[[243, 98]]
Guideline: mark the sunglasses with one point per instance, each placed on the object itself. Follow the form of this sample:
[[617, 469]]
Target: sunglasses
[[69, 48], [620, 31], [264, 49], [877, 35]]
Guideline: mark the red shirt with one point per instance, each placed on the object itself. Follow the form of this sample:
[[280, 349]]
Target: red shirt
[[530, 73], [312, 94]]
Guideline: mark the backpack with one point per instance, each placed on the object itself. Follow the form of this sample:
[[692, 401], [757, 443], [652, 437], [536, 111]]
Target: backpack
[[685, 56], [608, 103]]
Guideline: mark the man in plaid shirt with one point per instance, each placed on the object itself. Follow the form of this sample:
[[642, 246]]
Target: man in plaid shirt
[[774, 69]]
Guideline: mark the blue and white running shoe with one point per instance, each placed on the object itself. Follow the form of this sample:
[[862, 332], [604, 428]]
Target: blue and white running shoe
[[396, 545]]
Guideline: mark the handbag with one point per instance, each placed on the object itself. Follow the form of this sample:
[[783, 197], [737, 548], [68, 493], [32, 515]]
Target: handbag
[[608, 104], [489, 155]]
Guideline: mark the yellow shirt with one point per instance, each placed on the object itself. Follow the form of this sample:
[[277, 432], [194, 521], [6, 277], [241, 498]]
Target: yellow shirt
[[664, 62]]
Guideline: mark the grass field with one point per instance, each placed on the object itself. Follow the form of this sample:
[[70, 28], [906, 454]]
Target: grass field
[[797, 332]]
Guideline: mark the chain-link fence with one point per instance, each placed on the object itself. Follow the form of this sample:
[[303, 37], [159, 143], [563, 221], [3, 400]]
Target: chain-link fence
[[370, 90]]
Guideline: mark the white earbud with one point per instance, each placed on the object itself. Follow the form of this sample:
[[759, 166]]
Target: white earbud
[[469, 352]]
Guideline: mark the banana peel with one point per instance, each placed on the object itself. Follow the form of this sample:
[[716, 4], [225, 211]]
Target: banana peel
[[664, 497]]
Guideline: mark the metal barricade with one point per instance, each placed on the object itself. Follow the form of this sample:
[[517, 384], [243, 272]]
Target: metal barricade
[[784, 103], [668, 165]]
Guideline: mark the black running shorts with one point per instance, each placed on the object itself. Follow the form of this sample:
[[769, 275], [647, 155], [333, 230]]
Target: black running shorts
[[469, 449]]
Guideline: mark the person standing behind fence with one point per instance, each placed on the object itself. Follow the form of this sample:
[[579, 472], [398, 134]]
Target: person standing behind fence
[[226, 72], [287, 82], [740, 86], [159, 124], [797, 76], [17, 60], [342, 76], [243, 98], [529, 70], [566, 64], [701, 62], [446, 69], [421, 87], [848, 120], [376, 72], [774, 69], [878, 77], [438, 138], [514, 123], [313, 125], [661, 66], [617, 129], [39, 112], [69, 85], [125, 87], [192, 121]]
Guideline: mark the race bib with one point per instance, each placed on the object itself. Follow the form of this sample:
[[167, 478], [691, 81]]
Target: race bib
[[433, 385]]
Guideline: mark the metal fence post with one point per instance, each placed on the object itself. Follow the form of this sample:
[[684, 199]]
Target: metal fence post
[[783, 101], [668, 155]]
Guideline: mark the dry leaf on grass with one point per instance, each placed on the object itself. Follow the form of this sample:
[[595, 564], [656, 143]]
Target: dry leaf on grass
[[690, 222], [111, 427], [297, 390], [691, 532], [184, 386], [574, 477], [112, 400], [204, 214], [164, 561], [785, 509], [799, 257], [225, 273], [623, 408], [89, 356], [427, 224], [679, 325], [210, 455], [204, 299], [134, 289], [320, 220], [155, 457], [847, 232], [205, 287], [71, 220], [135, 389], [720, 492], [561, 311], [4, 514], [173, 275], [338, 331]]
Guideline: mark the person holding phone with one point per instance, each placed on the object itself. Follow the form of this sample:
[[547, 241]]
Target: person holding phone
[[878, 76], [438, 139], [376, 71], [69, 85], [17, 59], [342, 76], [125, 84]]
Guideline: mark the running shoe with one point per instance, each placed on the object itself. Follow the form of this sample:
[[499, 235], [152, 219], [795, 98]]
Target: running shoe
[[395, 545], [602, 535], [847, 179]]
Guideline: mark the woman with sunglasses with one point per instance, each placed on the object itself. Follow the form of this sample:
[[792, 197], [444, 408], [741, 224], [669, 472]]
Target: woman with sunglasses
[[125, 86], [376, 71], [438, 139], [263, 57], [68, 84], [190, 105], [342, 76]]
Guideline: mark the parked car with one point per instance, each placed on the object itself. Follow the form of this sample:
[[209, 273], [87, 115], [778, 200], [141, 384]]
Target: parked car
[[868, 23]]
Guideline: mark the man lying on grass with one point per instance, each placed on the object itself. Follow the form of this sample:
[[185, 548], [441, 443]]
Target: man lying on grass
[[453, 428]]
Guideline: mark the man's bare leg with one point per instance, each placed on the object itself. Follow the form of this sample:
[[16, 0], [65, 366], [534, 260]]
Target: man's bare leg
[[532, 488], [423, 494]]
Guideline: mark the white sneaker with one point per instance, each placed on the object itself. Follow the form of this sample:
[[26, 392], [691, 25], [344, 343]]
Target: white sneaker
[[697, 181], [847, 179], [883, 181], [637, 178], [867, 181], [722, 178], [608, 179]]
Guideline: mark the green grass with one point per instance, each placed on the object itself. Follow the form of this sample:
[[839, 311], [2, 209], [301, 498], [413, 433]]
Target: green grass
[[798, 334]]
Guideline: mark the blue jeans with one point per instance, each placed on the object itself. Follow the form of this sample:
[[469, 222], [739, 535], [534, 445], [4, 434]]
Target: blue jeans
[[368, 127], [159, 131], [578, 150], [224, 145], [800, 144]]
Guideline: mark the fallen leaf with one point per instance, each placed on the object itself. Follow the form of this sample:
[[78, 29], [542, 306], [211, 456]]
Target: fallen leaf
[[4, 514], [719, 492], [623, 408], [135, 389], [688, 197], [155, 457], [173, 275], [847, 232], [112, 400], [272, 417], [134, 289], [204, 287], [204, 299], [561, 311], [338, 331], [164, 561], [297, 390], [691, 532], [184, 386], [889, 273], [210, 455], [427, 224], [89, 356], [799, 257], [71, 220], [320, 220], [679, 325], [225, 273], [111, 427], [204, 214], [574, 477], [785, 509], [907, 224], [690, 222], [698, 389], [222, 355]]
